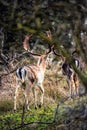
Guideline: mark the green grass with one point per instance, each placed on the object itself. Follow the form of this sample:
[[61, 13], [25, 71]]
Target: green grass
[[37, 119], [10, 119]]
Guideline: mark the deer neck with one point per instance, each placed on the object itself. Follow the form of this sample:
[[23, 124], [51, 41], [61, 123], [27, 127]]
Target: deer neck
[[43, 66]]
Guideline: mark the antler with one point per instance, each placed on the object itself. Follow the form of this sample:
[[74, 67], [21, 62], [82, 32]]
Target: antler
[[49, 34], [75, 52], [27, 48], [25, 43], [62, 57]]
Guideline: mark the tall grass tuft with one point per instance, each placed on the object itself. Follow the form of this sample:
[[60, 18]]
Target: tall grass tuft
[[6, 105]]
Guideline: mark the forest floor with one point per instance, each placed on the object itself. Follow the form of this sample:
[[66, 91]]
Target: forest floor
[[57, 113]]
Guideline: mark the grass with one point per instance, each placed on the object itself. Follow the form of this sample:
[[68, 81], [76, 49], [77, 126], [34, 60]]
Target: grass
[[39, 119], [6, 105], [9, 119]]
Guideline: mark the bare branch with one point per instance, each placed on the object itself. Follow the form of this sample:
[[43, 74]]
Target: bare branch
[[14, 8], [5, 3], [23, 114], [83, 8], [26, 124], [1, 39]]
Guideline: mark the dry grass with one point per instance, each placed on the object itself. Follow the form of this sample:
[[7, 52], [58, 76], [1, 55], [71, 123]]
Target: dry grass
[[6, 105], [54, 84]]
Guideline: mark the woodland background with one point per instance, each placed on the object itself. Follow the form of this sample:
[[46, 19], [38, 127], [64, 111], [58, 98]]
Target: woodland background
[[67, 21]]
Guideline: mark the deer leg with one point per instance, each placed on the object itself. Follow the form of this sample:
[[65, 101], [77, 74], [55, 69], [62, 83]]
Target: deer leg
[[16, 94], [71, 90], [35, 96], [73, 87], [77, 88], [26, 94], [26, 100], [71, 84], [70, 87], [76, 85], [42, 95]]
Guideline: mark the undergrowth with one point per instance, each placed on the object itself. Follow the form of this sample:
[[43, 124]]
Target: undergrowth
[[66, 115], [10, 120]]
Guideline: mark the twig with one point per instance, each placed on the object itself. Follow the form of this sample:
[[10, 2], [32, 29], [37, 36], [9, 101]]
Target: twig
[[57, 108], [83, 8], [12, 71], [26, 124], [22, 118], [4, 2]]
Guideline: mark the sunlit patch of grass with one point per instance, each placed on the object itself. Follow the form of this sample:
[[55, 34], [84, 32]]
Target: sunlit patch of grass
[[12, 120]]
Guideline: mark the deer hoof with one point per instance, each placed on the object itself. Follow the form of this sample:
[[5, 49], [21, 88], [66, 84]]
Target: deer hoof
[[14, 110], [36, 107], [40, 105]]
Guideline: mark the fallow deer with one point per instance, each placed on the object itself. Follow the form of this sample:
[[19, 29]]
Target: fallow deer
[[68, 71], [30, 76]]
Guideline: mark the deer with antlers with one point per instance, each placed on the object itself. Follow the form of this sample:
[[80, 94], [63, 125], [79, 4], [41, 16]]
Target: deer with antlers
[[68, 71], [30, 76]]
